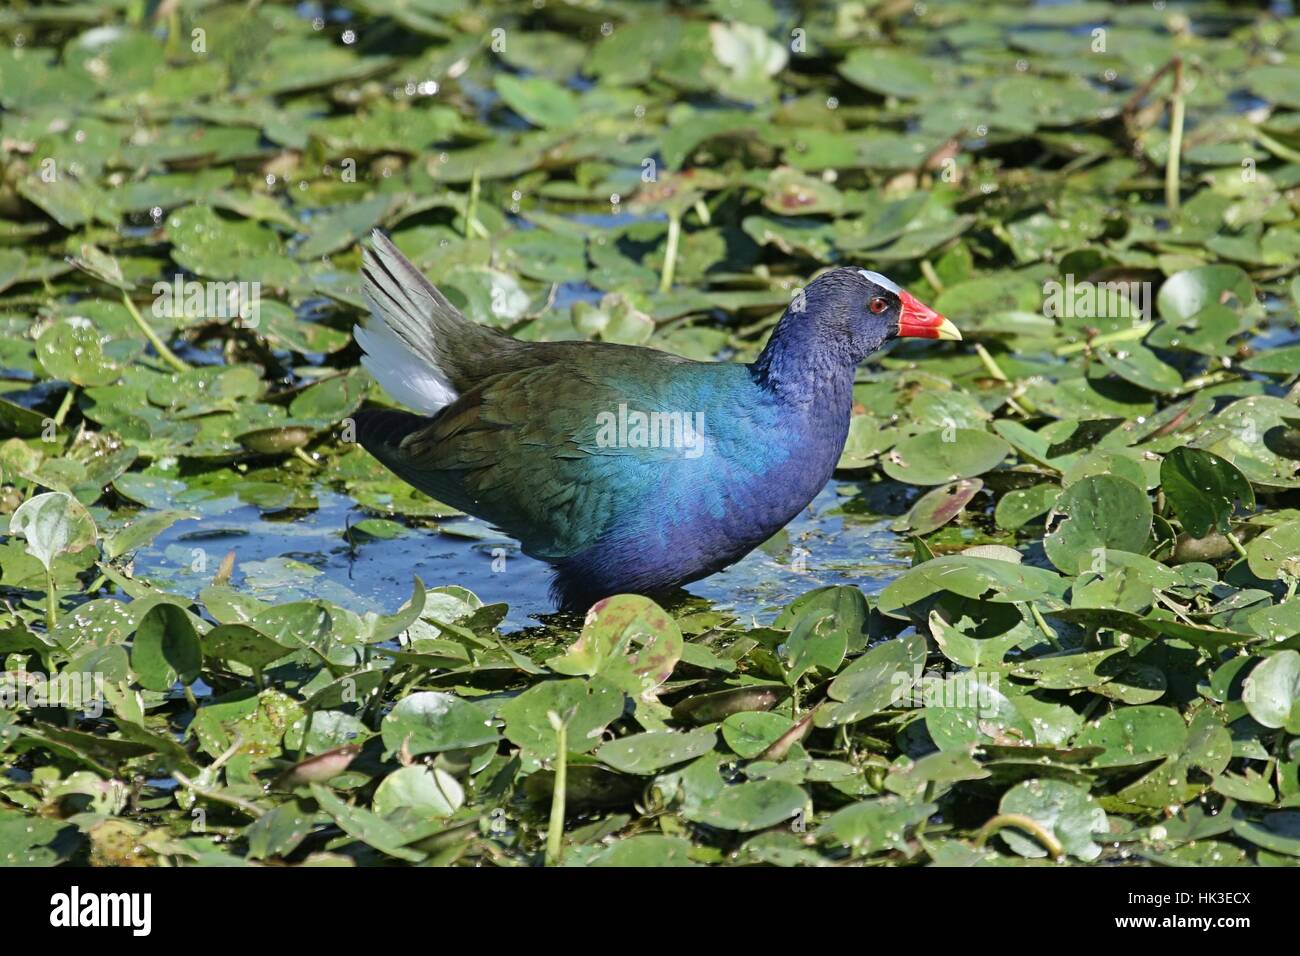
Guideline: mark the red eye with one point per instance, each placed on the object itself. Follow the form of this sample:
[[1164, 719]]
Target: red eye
[[877, 305]]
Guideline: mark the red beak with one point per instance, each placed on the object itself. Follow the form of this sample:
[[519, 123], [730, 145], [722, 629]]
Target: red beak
[[919, 321]]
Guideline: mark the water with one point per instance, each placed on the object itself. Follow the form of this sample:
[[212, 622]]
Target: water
[[306, 555]]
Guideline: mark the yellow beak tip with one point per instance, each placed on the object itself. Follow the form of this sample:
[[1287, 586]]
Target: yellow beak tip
[[949, 331]]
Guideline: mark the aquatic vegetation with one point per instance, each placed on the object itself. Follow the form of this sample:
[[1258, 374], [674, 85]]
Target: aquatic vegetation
[[1046, 609]]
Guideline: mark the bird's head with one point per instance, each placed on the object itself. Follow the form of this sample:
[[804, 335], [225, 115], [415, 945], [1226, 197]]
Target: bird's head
[[855, 312]]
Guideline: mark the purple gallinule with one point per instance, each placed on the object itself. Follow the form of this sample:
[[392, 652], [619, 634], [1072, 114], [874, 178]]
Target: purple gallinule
[[625, 468]]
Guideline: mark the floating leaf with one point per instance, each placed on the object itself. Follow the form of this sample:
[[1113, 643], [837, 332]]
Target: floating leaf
[[751, 806], [431, 722], [166, 648], [627, 639], [1068, 813], [938, 457], [53, 524], [1271, 692], [1204, 490], [1095, 514], [654, 750]]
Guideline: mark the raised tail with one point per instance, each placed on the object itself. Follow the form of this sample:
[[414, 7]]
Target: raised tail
[[418, 345]]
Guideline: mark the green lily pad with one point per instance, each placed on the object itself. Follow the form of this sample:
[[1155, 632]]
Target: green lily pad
[[1271, 692], [628, 640], [429, 791], [74, 351], [654, 750], [939, 457], [166, 648], [1204, 490], [1068, 813], [938, 506], [1276, 552], [749, 733], [751, 806], [587, 706], [53, 524], [432, 722], [1094, 514]]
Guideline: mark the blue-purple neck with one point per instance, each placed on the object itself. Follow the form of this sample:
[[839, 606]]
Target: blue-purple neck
[[801, 371]]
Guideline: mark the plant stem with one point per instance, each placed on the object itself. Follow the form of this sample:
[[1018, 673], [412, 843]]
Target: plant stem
[[471, 209], [309, 716], [51, 602], [929, 795], [166, 354], [1020, 822], [1020, 407], [299, 453], [931, 276], [217, 796], [1123, 335], [65, 405], [1177, 116], [1280, 150], [555, 829], [1044, 627], [990, 363], [1236, 543], [670, 251]]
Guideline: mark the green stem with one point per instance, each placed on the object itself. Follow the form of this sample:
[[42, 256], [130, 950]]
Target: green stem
[[1123, 335], [670, 251], [1198, 382], [1021, 407], [1091, 708], [555, 830], [931, 276], [51, 602], [1045, 627], [172, 46], [1020, 822], [1280, 150], [65, 406], [1177, 116], [159, 345], [370, 712], [306, 730], [1291, 582], [1236, 543], [471, 209], [929, 795], [217, 796], [990, 363], [313, 463]]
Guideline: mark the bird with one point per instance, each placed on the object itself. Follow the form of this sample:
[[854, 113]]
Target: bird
[[625, 468]]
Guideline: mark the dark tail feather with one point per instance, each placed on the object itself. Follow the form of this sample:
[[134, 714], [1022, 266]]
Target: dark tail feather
[[380, 432]]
